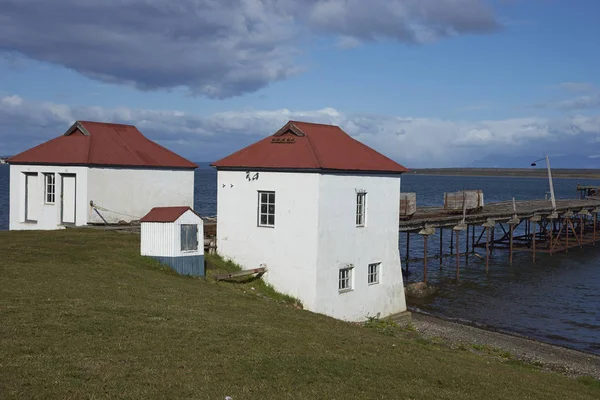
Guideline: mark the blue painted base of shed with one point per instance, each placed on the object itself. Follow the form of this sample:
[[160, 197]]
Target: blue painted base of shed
[[189, 265]]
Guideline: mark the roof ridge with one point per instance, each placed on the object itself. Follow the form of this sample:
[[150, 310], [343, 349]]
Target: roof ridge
[[314, 123], [104, 123]]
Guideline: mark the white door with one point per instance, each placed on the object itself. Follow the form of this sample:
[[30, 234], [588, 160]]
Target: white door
[[68, 199], [32, 197]]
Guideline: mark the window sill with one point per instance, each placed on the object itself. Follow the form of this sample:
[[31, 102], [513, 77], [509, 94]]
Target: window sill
[[266, 226], [49, 204], [189, 251], [345, 291], [360, 226], [30, 221], [374, 283]]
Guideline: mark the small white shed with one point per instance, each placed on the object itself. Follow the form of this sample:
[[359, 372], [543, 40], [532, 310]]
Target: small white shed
[[174, 236]]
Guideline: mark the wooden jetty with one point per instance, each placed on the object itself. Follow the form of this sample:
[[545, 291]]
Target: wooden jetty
[[534, 226]]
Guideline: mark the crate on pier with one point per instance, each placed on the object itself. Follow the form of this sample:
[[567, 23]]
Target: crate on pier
[[408, 204], [469, 199]]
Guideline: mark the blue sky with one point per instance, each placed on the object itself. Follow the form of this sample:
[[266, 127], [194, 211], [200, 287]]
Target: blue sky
[[430, 83]]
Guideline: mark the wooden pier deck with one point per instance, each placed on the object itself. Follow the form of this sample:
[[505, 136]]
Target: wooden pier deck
[[437, 217]]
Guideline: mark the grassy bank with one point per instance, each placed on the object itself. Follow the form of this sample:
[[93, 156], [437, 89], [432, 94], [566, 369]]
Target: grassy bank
[[84, 316]]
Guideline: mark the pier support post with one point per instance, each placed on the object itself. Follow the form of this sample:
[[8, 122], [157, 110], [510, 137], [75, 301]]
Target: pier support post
[[535, 219], [457, 229], [425, 232], [595, 223], [514, 221], [488, 226], [552, 217], [441, 246], [467, 247], [407, 251]]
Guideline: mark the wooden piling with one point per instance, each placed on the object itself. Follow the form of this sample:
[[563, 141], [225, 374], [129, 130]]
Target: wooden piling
[[473, 239], [595, 223], [510, 249], [533, 240], [457, 257], [487, 250], [441, 246], [425, 237], [566, 222], [466, 248], [581, 232], [407, 250]]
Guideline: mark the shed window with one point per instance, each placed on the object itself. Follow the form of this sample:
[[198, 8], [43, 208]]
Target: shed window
[[373, 273], [345, 279], [361, 203], [49, 193], [189, 237], [266, 209]]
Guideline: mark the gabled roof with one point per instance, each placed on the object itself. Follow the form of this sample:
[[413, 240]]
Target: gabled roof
[[166, 214], [308, 146], [102, 144]]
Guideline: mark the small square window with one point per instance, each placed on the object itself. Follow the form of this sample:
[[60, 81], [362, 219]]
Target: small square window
[[266, 209], [361, 203], [373, 273], [50, 191], [345, 279], [189, 237]]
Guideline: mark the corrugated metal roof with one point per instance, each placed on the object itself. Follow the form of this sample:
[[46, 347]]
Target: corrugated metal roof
[[165, 214], [99, 143], [308, 146]]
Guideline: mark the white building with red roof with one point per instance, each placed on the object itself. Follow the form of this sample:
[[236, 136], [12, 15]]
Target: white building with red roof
[[95, 173], [320, 211]]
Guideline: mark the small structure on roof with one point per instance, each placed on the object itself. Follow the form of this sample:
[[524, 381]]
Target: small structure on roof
[[95, 173], [175, 237], [320, 211]]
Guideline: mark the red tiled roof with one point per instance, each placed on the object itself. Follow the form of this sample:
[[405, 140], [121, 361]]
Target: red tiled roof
[[99, 143], [308, 146], [165, 214]]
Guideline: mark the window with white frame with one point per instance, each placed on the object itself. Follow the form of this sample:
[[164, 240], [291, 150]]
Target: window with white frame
[[361, 208], [189, 237], [373, 273], [50, 192], [345, 279], [266, 209]]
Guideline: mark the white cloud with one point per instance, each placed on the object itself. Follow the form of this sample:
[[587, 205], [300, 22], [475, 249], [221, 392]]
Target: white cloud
[[415, 142], [215, 48]]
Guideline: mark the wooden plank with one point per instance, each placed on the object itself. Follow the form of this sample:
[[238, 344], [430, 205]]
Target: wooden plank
[[241, 273]]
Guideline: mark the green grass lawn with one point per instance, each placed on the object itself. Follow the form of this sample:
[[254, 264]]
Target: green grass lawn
[[82, 315]]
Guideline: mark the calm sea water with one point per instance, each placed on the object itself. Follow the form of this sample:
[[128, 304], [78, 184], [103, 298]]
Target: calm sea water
[[556, 300]]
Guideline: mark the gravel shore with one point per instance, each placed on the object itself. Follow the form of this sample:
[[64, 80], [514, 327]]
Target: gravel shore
[[570, 362]]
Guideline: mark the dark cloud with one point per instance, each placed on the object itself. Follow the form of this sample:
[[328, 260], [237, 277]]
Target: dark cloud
[[415, 142], [215, 48]]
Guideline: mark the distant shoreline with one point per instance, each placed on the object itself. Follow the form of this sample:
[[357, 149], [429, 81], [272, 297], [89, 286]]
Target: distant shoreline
[[508, 172]]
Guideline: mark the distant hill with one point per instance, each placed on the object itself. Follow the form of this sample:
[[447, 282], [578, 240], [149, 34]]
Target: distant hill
[[556, 161]]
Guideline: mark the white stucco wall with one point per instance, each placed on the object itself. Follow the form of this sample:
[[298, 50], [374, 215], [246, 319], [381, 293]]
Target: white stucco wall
[[163, 239], [342, 243], [289, 250], [130, 194], [48, 215]]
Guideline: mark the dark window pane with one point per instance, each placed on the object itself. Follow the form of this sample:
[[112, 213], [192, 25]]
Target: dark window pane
[[263, 219], [271, 220], [263, 208], [263, 197], [189, 237], [271, 197], [271, 209]]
